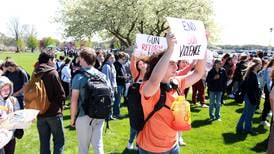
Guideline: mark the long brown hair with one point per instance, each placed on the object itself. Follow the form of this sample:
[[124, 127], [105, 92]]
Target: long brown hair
[[151, 63], [270, 63], [251, 66]]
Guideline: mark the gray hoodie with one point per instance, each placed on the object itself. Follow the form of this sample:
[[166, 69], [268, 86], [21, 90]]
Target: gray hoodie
[[10, 102]]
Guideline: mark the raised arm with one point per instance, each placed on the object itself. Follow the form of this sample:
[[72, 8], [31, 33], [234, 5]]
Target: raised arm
[[160, 69], [133, 69], [197, 74]]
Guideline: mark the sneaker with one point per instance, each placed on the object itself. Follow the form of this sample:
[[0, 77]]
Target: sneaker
[[219, 119], [204, 106], [269, 114], [181, 142], [265, 123], [130, 146], [211, 119], [231, 96], [252, 132]]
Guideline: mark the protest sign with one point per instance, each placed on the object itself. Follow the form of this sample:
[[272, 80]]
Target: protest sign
[[191, 38], [5, 137], [147, 45], [20, 119]]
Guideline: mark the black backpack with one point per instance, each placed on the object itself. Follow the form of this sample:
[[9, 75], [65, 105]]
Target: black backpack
[[97, 102], [135, 109]]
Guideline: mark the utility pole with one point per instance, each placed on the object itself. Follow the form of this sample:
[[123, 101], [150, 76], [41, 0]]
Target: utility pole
[[270, 42]]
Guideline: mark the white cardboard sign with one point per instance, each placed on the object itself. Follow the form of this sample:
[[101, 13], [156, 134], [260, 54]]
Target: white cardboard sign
[[20, 119], [147, 45], [190, 36]]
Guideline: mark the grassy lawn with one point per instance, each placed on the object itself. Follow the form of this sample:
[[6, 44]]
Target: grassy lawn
[[204, 137]]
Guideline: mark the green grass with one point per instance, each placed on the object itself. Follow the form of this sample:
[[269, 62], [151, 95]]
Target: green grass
[[204, 137]]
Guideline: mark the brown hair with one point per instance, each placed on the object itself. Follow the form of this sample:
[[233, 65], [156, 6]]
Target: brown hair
[[9, 62], [251, 67], [121, 54], [88, 55], [152, 61], [272, 75], [270, 63]]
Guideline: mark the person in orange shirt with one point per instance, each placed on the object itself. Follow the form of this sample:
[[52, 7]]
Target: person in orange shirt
[[137, 68], [159, 135]]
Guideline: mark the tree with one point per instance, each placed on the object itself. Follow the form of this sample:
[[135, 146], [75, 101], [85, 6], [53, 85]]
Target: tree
[[32, 42], [123, 19], [16, 30], [20, 43], [48, 42]]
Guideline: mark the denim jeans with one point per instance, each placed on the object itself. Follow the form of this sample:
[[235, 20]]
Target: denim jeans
[[47, 126], [215, 102], [132, 135], [117, 102], [246, 117], [174, 150]]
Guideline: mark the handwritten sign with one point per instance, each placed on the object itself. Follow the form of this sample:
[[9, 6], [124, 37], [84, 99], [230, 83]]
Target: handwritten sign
[[5, 137], [191, 38], [148, 45], [20, 119]]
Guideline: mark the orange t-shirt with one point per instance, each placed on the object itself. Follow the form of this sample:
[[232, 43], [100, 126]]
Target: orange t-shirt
[[158, 135], [133, 69]]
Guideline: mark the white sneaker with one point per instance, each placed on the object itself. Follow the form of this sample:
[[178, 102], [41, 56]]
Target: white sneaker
[[265, 123], [182, 143], [204, 106], [130, 146], [231, 96], [269, 114]]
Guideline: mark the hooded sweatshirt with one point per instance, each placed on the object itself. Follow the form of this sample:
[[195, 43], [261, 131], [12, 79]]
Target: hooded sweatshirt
[[54, 89], [9, 103]]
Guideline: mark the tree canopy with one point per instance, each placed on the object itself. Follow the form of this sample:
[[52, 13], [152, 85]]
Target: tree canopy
[[123, 19]]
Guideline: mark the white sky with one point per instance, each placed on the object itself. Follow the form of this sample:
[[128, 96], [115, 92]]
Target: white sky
[[240, 21]]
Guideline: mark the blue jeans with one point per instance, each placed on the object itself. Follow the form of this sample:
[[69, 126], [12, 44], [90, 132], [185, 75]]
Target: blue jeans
[[174, 150], [246, 117], [47, 126], [215, 102], [132, 135], [117, 102]]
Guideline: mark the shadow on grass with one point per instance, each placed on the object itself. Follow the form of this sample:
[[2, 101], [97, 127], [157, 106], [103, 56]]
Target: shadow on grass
[[195, 109], [261, 129], [200, 123], [233, 103], [126, 151], [260, 147], [230, 138], [240, 110], [66, 117], [70, 128]]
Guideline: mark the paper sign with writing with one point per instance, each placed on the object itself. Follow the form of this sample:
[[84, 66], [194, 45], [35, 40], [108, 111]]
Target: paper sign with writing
[[190, 36], [20, 119], [148, 45], [5, 137]]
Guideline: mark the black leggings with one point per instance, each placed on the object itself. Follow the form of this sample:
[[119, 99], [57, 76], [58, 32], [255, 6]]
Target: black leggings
[[266, 104]]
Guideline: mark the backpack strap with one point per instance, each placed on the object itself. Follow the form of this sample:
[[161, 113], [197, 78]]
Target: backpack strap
[[161, 103]]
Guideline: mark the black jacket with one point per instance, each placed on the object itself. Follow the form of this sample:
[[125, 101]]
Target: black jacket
[[252, 89], [216, 84], [120, 73], [54, 89]]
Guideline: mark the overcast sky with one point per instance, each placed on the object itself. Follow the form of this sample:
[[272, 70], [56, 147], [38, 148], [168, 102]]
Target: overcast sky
[[239, 21]]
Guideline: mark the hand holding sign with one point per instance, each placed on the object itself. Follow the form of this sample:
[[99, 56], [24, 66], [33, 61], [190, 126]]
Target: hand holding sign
[[171, 40], [191, 38]]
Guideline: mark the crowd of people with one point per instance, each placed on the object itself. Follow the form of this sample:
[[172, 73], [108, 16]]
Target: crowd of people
[[224, 77]]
